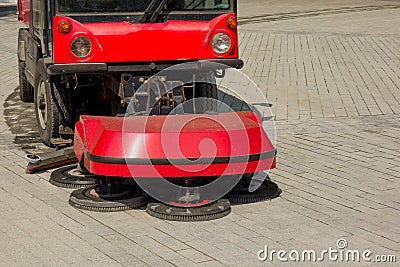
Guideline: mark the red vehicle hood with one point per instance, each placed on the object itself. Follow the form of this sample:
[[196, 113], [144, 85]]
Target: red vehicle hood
[[128, 42]]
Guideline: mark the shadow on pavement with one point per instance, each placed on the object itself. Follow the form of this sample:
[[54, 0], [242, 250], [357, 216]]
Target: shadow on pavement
[[21, 121]]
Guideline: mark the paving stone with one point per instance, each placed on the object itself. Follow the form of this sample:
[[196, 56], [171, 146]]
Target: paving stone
[[332, 75]]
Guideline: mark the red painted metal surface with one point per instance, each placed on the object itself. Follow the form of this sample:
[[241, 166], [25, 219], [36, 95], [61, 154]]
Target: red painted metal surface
[[23, 11], [176, 171], [127, 42], [104, 143]]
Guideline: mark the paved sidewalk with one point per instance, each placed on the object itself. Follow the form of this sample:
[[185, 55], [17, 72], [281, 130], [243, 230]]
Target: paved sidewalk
[[335, 94]]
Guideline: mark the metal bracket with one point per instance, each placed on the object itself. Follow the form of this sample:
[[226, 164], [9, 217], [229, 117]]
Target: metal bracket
[[21, 53], [51, 160]]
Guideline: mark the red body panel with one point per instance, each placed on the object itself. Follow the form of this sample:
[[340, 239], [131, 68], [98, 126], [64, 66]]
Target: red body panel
[[173, 40], [104, 142], [177, 171], [24, 12]]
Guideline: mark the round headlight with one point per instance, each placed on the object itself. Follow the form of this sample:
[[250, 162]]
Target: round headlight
[[221, 43], [81, 47]]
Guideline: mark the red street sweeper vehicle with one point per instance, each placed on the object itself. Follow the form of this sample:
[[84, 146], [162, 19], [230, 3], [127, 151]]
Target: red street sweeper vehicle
[[131, 86]]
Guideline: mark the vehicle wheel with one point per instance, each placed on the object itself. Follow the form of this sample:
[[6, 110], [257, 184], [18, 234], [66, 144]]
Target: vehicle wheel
[[99, 198], [47, 114], [71, 177], [206, 91], [63, 99], [213, 211], [26, 93], [241, 195], [25, 88]]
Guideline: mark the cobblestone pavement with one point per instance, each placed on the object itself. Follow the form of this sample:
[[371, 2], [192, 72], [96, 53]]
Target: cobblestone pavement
[[332, 75]]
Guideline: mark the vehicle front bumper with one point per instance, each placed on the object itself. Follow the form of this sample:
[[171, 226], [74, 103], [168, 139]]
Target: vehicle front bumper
[[209, 64]]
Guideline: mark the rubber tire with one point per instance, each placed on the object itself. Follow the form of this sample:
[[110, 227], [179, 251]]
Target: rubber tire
[[81, 199], [53, 121], [268, 190], [26, 91], [61, 178], [206, 88], [213, 211], [64, 104]]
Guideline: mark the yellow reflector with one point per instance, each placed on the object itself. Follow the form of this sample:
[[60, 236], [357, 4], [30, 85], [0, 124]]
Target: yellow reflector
[[231, 23], [64, 26]]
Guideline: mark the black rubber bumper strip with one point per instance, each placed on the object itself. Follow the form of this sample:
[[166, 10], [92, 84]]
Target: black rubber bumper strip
[[211, 64], [203, 64], [184, 161], [76, 68]]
